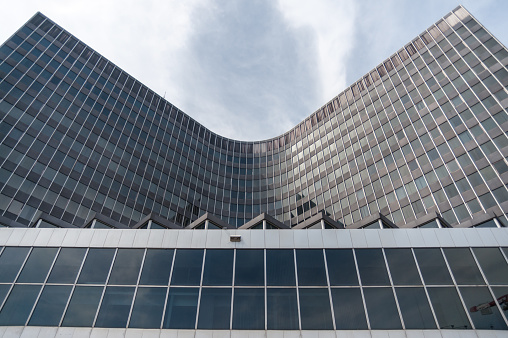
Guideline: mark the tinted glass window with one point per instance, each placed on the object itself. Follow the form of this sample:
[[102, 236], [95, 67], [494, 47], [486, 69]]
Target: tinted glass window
[[282, 309], [249, 309], [4, 288], [415, 308], [181, 308], [214, 309], [448, 308], [51, 305], [311, 267], [83, 306], [156, 267], [493, 265], [148, 308], [96, 267], [10, 262], [341, 267], [402, 267], [463, 266], [187, 268], [37, 266], [280, 267], [383, 314], [126, 266], [348, 309], [372, 267], [249, 267], [218, 267], [115, 307], [482, 309], [67, 265], [315, 309], [433, 266], [19, 304]]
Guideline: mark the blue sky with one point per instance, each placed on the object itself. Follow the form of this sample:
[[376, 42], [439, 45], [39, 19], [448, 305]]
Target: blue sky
[[248, 70]]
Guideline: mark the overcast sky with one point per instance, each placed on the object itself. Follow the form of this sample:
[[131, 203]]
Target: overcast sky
[[248, 70]]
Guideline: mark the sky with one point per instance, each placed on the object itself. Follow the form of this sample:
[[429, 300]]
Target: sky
[[248, 70]]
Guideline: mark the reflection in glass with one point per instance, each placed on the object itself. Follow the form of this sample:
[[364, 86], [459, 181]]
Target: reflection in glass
[[115, 307], [280, 267], [493, 265], [83, 306], [315, 309], [187, 268], [249, 267], [181, 308], [448, 308], [282, 309], [37, 265], [372, 267], [148, 308], [4, 288], [19, 304], [249, 309], [382, 310], [501, 294], [214, 309], [341, 267], [433, 266], [463, 266], [348, 309], [482, 308], [96, 267], [415, 308], [67, 265], [156, 267], [311, 267], [10, 262], [51, 305], [402, 267], [218, 267], [126, 267]]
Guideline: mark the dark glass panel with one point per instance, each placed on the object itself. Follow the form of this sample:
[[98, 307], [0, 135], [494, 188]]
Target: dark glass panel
[[37, 266], [249, 269], [83, 306], [67, 265], [501, 294], [311, 267], [415, 308], [19, 304], [482, 308], [402, 267], [282, 309], [214, 309], [463, 266], [249, 309], [187, 268], [156, 267], [4, 289], [433, 267], [448, 308], [218, 267], [96, 267], [341, 267], [348, 309], [280, 267], [115, 307], [315, 309], [372, 267], [51, 305], [382, 310], [126, 267], [148, 308], [10, 262], [493, 265], [181, 308]]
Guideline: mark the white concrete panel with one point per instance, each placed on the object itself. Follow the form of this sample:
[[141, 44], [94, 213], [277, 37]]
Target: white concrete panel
[[71, 237], [415, 334], [134, 333], [141, 238], [416, 238], [301, 238], [358, 238], [151, 333], [490, 333], [501, 235], [225, 241], [402, 239], [5, 233], [30, 332], [353, 334], [326, 334], [203, 334], [213, 239], [198, 239], [459, 237], [126, 238], [272, 238], [372, 238], [46, 332], [458, 334], [45, 237], [2, 328], [315, 237], [221, 334], [387, 238], [245, 241], [487, 236], [380, 334], [66, 332], [13, 332], [174, 334], [396, 334], [473, 236], [57, 237], [30, 237], [274, 334], [114, 333], [99, 237], [286, 239], [344, 239], [184, 239], [429, 237], [291, 334], [185, 334], [155, 238], [329, 238], [170, 238], [112, 238], [257, 238], [16, 237], [445, 237]]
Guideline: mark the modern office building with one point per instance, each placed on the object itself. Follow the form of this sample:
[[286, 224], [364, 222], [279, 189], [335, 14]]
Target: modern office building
[[382, 214]]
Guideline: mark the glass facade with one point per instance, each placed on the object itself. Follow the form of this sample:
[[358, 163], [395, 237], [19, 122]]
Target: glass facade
[[423, 132]]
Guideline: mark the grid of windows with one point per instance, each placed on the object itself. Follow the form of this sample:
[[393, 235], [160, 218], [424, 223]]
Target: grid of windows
[[424, 132], [255, 289]]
